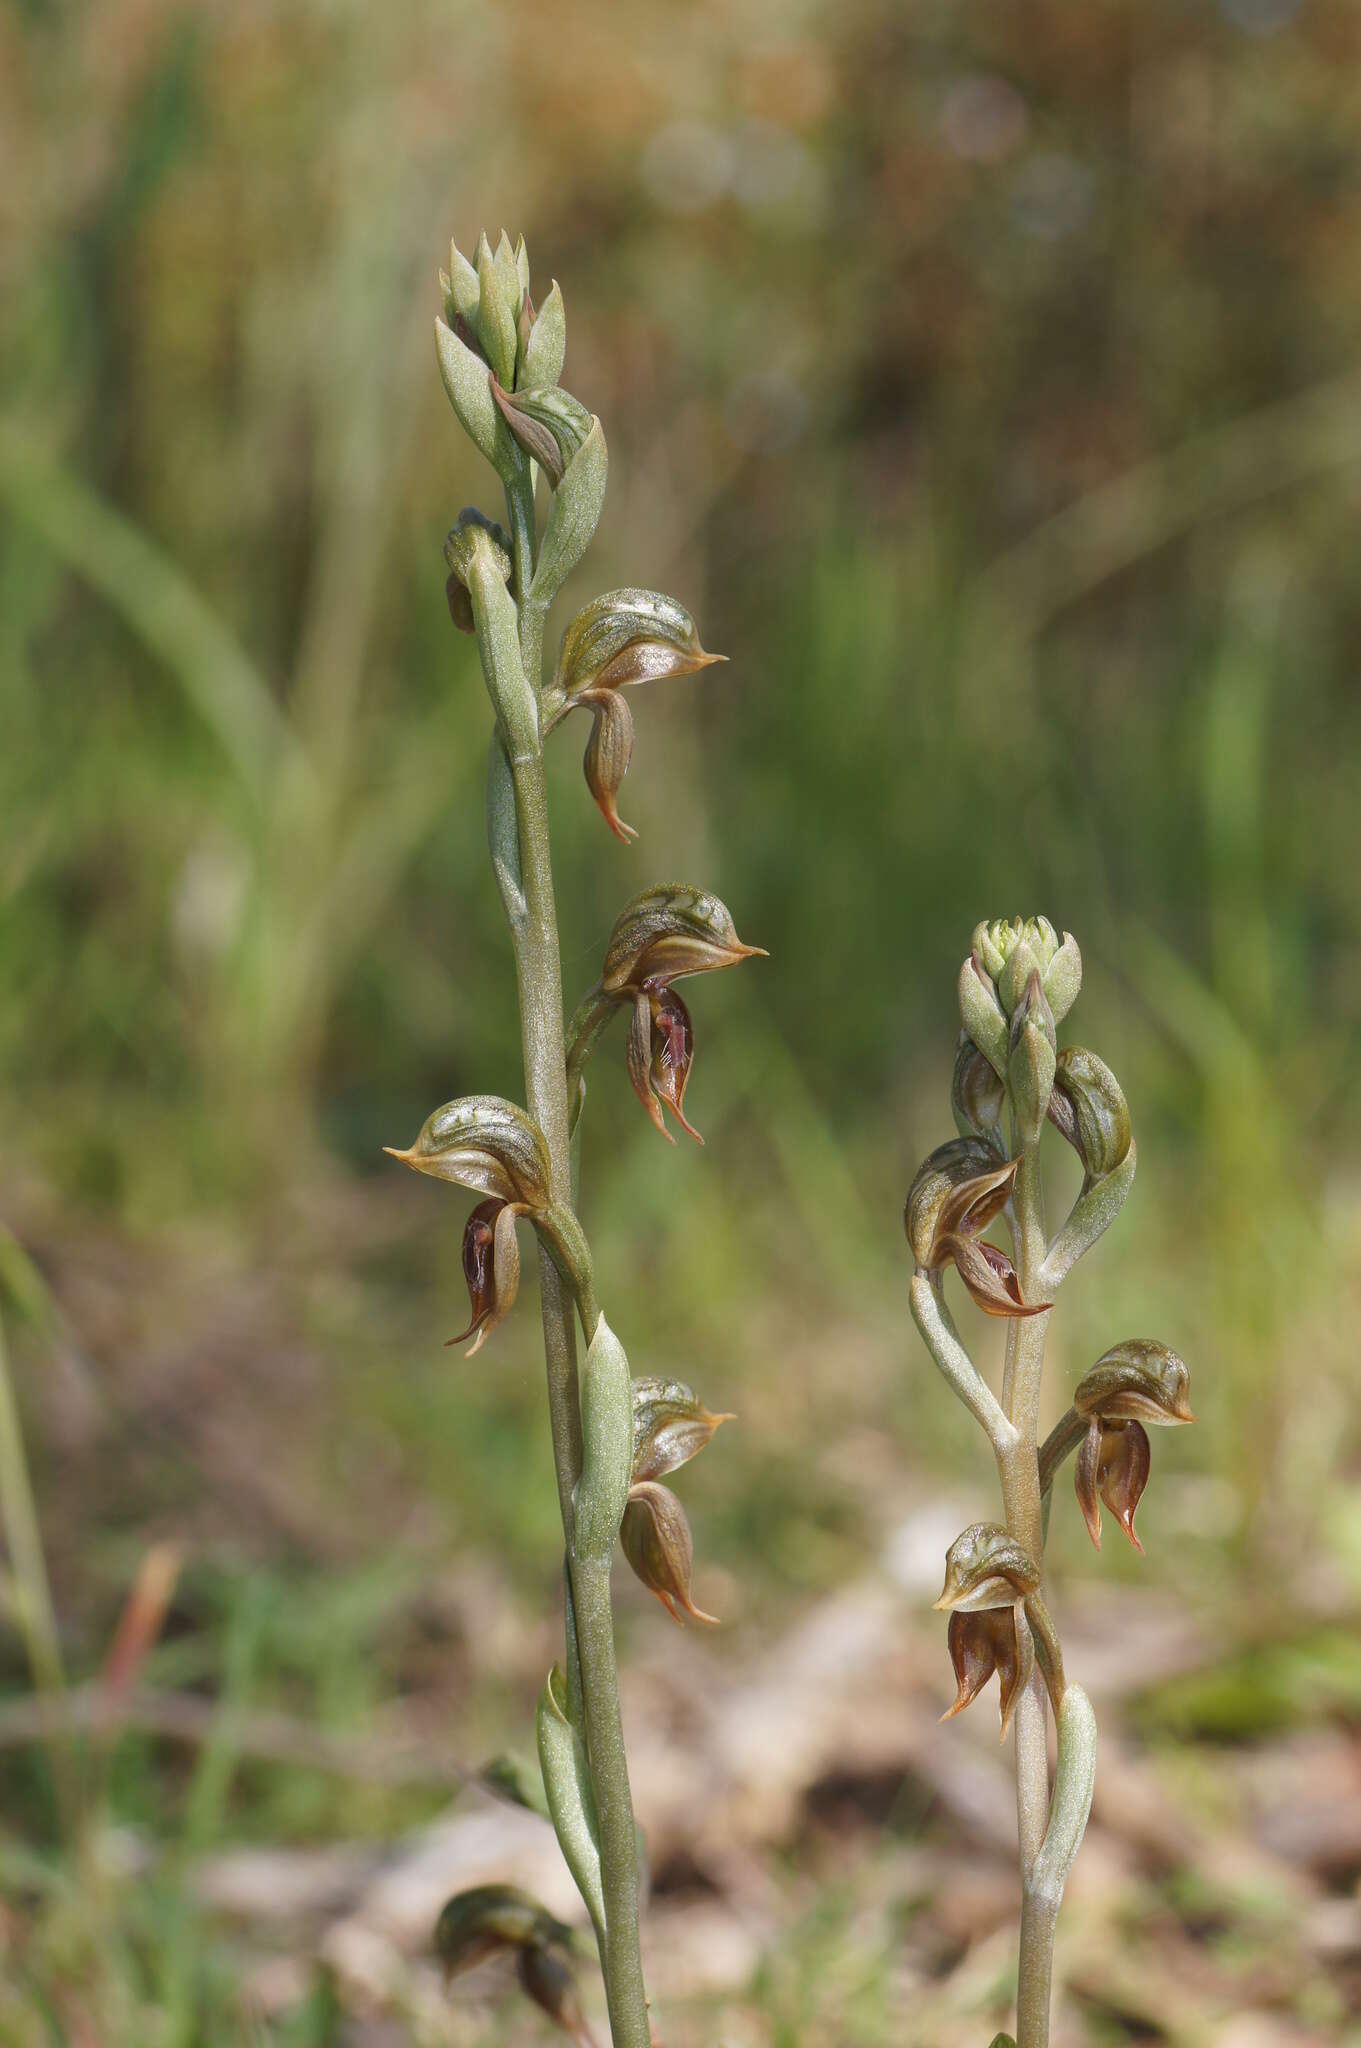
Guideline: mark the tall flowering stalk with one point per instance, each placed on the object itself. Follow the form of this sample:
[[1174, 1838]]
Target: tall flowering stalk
[[1011, 1080], [614, 1438]]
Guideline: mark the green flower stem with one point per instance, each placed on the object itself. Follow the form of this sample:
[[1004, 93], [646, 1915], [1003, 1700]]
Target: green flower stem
[[534, 940], [590, 1019], [1039, 1920], [538, 970], [1062, 1440], [1019, 1472], [942, 1340], [31, 1592], [1093, 1213]]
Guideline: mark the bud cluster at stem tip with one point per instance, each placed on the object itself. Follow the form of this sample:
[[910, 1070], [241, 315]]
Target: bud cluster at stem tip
[[488, 306]]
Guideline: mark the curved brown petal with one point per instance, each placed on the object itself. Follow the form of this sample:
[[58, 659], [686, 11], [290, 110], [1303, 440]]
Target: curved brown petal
[[1113, 1465], [491, 1267], [989, 1275], [605, 762], [656, 1540], [640, 1061], [997, 1640], [969, 1208], [673, 1052], [1126, 1458]]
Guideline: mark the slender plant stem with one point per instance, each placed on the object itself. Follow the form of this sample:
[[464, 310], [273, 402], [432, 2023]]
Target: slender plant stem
[[32, 1593], [539, 979], [1039, 1918], [1019, 1472]]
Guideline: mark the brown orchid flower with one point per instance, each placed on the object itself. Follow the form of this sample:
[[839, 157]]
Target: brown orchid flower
[[959, 1190], [996, 1639]]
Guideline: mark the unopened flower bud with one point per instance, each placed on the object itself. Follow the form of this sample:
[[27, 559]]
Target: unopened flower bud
[[655, 1535], [460, 287], [498, 307], [671, 1425], [605, 762], [981, 1013], [996, 939], [1030, 1059], [1112, 1465], [542, 354], [992, 1639], [986, 1566], [627, 637], [489, 1918], [549, 425], [491, 1267], [475, 532], [485, 1143], [524, 329], [1063, 978], [977, 1095], [1089, 1108], [669, 931], [1137, 1381]]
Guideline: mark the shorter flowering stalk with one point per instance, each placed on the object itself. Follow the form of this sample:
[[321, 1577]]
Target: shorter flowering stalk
[[1010, 1080]]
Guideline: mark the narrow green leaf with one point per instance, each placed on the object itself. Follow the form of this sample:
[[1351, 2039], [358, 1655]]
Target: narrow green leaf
[[1074, 1778], [607, 1445], [571, 1801], [503, 832], [497, 625], [508, 273], [463, 285], [573, 516], [469, 388]]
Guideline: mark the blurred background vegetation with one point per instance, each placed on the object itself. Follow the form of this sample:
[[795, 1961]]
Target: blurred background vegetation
[[985, 379]]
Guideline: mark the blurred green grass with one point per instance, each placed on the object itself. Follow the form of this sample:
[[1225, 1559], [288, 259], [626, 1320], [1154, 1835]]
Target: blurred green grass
[[985, 380]]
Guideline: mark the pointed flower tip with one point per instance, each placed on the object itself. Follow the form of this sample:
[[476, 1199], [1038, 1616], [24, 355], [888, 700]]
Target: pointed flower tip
[[402, 1152], [682, 1608]]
